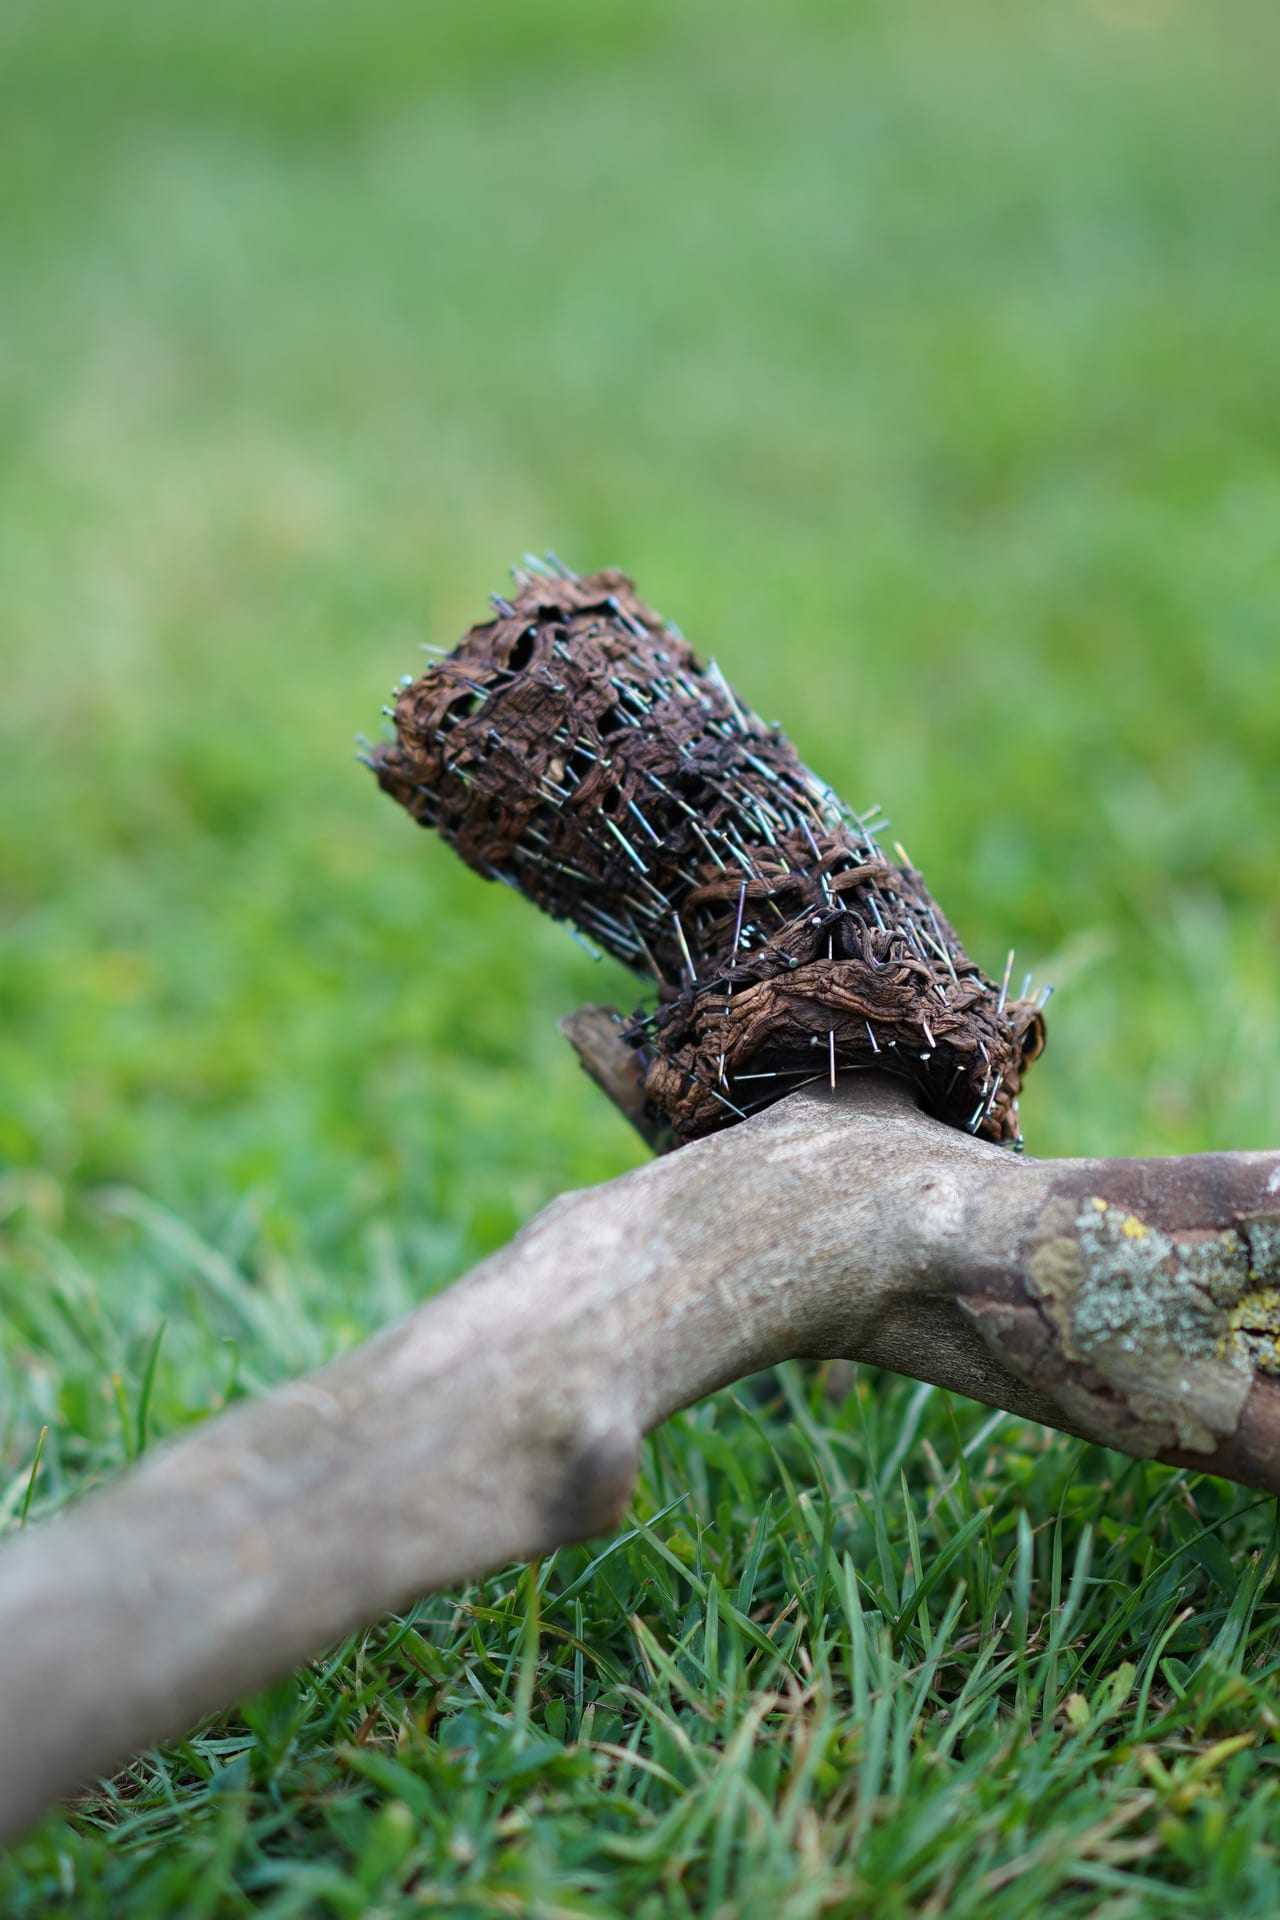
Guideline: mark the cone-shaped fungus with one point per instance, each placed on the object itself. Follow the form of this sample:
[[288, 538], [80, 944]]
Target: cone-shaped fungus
[[575, 748]]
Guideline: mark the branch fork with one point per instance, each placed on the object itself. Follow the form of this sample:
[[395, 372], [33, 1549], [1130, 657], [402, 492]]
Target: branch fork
[[504, 1418]]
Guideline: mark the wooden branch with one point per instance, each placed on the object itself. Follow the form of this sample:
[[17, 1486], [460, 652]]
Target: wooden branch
[[1128, 1301]]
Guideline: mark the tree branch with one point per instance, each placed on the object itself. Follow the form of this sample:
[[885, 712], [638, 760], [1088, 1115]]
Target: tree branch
[[1132, 1302]]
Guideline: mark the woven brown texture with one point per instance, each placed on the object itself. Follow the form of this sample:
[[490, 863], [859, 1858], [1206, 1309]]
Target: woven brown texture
[[575, 748]]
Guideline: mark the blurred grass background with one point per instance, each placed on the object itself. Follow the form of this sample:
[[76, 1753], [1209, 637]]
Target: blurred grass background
[[923, 364]]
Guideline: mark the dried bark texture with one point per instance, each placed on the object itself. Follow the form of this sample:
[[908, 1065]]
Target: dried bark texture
[[504, 1418], [578, 750]]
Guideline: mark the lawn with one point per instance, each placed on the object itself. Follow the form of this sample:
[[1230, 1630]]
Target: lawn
[[924, 364]]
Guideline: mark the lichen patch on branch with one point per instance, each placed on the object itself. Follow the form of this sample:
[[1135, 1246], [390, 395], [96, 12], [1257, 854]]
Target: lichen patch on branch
[[1138, 1283], [1255, 1320], [1160, 1332]]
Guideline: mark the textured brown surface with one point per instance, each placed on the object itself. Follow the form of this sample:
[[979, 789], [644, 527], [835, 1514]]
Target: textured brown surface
[[575, 748]]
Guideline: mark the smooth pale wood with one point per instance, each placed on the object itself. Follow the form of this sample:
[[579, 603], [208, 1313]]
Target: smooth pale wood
[[504, 1418]]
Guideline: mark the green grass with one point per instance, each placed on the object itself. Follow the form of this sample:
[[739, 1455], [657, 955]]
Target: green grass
[[922, 362]]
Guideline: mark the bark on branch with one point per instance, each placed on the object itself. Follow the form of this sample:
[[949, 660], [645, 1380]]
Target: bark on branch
[[1132, 1302]]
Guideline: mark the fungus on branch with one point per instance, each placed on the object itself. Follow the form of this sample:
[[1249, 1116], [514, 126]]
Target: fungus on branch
[[1136, 1303], [574, 747]]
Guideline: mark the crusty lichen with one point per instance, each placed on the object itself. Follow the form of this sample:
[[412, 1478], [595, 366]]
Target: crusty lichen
[[1163, 1330], [1138, 1280], [1255, 1319]]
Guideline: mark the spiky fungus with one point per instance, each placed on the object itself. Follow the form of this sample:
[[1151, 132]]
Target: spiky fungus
[[576, 749]]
